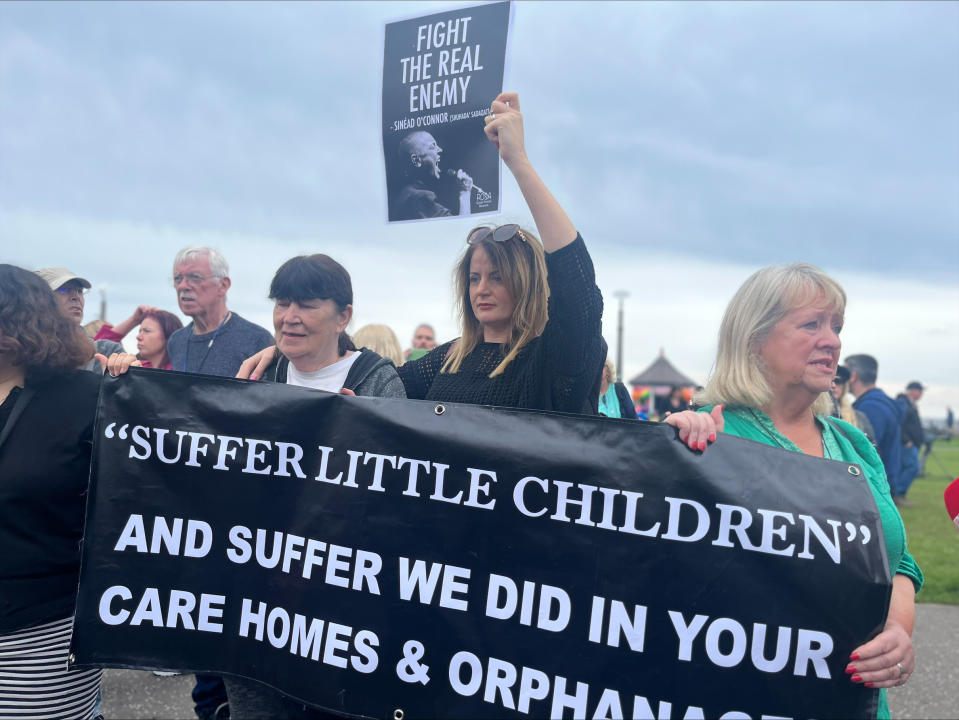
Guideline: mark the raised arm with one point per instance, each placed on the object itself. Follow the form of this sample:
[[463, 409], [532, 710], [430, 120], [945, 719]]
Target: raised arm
[[504, 128], [123, 327]]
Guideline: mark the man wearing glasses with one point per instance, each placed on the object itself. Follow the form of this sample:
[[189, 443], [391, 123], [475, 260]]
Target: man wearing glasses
[[71, 290], [215, 343], [217, 340]]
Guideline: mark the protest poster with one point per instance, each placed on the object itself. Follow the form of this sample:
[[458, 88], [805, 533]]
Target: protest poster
[[440, 74], [372, 555]]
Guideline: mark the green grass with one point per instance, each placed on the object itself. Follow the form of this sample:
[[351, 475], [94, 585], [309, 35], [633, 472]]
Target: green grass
[[933, 540]]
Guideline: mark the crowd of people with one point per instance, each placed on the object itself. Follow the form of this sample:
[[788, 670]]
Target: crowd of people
[[530, 338]]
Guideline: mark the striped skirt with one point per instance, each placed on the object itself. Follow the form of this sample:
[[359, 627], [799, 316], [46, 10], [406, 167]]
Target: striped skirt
[[34, 680]]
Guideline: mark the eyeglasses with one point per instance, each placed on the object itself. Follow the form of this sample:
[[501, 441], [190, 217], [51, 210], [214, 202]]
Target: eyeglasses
[[192, 279], [838, 381], [72, 290], [498, 234]]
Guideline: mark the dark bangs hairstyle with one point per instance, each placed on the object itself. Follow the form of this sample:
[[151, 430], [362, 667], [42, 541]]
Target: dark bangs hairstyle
[[34, 333], [315, 277]]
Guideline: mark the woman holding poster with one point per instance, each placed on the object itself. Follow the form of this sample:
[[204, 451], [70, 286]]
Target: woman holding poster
[[47, 409], [531, 311], [778, 352]]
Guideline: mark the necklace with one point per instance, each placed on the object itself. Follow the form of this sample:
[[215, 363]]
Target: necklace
[[772, 436], [209, 345]]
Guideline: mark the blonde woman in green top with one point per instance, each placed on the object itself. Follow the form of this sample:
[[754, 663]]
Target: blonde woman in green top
[[778, 352]]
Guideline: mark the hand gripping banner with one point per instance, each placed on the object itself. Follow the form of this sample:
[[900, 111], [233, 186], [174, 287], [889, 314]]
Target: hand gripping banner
[[377, 556]]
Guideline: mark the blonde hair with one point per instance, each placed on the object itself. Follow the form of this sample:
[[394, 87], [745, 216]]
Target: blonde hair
[[761, 302], [521, 262], [381, 340], [611, 369]]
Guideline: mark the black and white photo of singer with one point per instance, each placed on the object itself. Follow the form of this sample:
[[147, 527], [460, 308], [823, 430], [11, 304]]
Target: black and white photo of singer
[[422, 185]]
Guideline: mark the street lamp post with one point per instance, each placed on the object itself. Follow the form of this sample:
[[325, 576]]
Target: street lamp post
[[619, 295]]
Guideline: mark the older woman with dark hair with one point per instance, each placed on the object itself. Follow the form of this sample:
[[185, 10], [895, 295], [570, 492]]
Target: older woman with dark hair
[[778, 353], [312, 306], [47, 410]]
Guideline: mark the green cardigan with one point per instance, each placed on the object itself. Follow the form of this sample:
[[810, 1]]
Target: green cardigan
[[851, 447]]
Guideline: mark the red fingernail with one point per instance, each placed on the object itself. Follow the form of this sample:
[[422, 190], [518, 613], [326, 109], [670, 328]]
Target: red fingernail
[[712, 437], [850, 670], [856, 678], [869, 685], [854, 656], [254, 377], [702, 444]]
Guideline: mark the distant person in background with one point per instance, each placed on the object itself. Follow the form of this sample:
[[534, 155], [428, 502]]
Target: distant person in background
[[843, 409], [424, 340], [912, 439], [156, 327], [675, 402], [883, 412], [950, 419], [47, 410], [381, 340], [419, 160], [71, 290], [614, 399], [218, 340]]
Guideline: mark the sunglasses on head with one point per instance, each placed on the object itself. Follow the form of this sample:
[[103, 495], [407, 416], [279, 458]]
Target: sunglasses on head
[[498, 234]]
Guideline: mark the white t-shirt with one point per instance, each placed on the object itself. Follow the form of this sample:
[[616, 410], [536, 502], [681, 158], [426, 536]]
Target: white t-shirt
[[330, 378]]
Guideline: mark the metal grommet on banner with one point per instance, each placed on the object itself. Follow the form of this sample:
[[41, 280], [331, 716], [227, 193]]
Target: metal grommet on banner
[[398, 714], [853, 470], [439, 409]]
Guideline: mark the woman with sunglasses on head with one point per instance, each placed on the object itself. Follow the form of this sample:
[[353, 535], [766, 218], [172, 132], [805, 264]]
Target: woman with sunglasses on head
[[531, 312]]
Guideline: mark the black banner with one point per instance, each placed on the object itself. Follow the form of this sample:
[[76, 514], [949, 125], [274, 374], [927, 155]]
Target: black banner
[[368, 555], [440, 73]]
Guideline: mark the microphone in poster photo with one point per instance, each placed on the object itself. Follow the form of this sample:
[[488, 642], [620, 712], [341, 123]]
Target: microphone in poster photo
[[424, 189]]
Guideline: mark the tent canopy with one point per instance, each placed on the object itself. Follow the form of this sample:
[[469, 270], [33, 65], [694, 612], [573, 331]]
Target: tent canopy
[[661, 372]]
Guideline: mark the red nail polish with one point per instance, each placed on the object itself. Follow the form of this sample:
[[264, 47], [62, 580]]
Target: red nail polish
[[850, 670], [869, 685], [856, 678], [253, 377], [854, 656], [702, 444], [712, 437]]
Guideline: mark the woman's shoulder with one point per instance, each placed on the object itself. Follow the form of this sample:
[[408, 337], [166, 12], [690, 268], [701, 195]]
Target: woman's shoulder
[[374, 375]]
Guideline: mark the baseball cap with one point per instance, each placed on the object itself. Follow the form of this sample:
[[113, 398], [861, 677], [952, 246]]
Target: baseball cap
[[57, 276], [915, 385]]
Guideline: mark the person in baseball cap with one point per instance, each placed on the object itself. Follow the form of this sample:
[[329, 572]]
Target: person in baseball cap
[[71, 290]]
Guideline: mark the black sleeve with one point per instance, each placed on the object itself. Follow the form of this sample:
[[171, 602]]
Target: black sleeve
[[573, 336], [626, 407], [417, 375]]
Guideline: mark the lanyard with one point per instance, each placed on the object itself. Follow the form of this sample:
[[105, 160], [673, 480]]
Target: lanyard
[[186, 355]]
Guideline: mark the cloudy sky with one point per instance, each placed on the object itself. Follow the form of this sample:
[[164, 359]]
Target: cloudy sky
[[691, 143]]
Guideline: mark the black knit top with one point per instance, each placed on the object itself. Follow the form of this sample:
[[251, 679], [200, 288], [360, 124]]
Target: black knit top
[[559, 370]]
